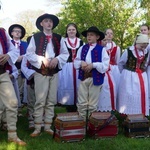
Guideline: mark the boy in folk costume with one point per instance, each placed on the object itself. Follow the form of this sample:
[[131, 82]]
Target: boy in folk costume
[[92, 61], [133, 87], [8, 56], [47, 53], [28, 72], [67, 91], [17, 32], [13, 74]]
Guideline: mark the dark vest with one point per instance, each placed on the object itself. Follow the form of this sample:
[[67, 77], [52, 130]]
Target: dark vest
[[70, 51], [3, 41], [41, 44], [23, 48], [132, 61], [96, 54]]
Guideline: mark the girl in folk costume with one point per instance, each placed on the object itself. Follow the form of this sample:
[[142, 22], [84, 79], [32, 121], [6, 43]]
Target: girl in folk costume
[[114, 52], [144, 29], [108, 95], [133, 86], [107, 99], [67, 91]]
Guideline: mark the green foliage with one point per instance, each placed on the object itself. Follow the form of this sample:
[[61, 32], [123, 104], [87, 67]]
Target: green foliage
[[124, 17], [146, 5]]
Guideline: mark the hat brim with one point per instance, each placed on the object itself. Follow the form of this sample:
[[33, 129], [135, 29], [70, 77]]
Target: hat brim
[[50, 16], [101, 34], [23, 31]]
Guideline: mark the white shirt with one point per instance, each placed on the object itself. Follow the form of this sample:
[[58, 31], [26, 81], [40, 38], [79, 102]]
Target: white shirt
[[72, 40], [118, 51], [36, 60], [12, 51], [101, 67], [14, 72], [28, 73]]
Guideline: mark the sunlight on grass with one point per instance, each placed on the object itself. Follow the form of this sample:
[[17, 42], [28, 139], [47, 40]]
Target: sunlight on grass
[[11, 146]]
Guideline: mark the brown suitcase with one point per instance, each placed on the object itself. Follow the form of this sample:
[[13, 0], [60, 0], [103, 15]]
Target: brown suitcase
[[136, 126], [69, 127]]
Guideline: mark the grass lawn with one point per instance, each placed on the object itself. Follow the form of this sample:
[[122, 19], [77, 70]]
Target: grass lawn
[[46, 142]]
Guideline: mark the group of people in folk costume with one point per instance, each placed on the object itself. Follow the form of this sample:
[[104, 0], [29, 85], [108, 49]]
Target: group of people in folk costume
[[67, 71]]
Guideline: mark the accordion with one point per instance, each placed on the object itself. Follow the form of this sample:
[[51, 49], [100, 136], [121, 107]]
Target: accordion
[[102, 124], [136, 126], [69, 127]]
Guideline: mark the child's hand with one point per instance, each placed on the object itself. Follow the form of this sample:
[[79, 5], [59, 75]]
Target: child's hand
[[88, 68], [20, 58], [53, 63], [11, 76], [83, 65], [46, 62], [3, 58]]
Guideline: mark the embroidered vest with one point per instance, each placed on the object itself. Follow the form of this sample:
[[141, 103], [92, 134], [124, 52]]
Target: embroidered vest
[[41, 43], [3, 41], [23, 47], [132, 60], [70, 51], [112, 56], [96, 55]]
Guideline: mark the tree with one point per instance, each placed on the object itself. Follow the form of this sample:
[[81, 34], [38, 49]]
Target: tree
[[27, 19], [122, 16], [146, 5]]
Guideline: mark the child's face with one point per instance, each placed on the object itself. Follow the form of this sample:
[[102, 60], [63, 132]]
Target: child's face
[[71, 31], [144, 30], [142, 46], [104, 42], [92, 37], [47, 24], [16, 33], [109, 34]]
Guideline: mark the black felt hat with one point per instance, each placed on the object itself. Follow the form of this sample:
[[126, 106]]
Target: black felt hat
[[52, 17], [23, 31], [96, 30]]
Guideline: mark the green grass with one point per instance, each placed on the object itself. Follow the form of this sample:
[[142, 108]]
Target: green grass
[[46, 142]]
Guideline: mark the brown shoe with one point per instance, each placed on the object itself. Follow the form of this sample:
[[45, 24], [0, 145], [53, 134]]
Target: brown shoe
[[35, 133], [17, 141], [50, 131]]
